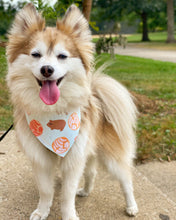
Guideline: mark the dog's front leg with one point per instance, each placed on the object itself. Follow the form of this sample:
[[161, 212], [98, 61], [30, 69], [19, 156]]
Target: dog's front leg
[[72, 169], [71, 177], [44, 175]]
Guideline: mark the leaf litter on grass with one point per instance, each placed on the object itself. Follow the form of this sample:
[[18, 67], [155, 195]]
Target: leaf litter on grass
[[156, 132]]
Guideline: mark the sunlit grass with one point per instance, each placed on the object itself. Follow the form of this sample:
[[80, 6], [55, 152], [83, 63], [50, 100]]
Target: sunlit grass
[[157, 41], [156, 79], [5, 107], [153, 83], [153, 36]]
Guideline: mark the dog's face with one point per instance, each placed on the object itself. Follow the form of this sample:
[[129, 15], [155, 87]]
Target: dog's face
[[49, 66], [53, 56]]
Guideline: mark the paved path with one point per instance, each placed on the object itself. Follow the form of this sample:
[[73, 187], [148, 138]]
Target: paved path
[[19, 196], [163, 55]]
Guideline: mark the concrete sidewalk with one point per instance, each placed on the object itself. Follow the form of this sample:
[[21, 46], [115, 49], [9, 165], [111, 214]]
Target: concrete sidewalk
[[19, 195], [162, 55]]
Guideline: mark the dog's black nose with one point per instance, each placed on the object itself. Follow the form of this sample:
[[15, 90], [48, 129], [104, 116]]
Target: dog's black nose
[[47, 71]]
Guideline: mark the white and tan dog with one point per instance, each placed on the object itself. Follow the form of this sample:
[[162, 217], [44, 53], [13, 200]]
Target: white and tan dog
[[49, 73]]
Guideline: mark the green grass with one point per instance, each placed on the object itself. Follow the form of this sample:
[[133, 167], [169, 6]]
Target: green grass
[[157, 41], [155, 36], [153, 83], [155, 79], [5, 108]]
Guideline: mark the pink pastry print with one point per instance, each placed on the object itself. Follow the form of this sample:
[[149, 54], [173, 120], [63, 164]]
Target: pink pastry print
[[61, 145], [73, 121]]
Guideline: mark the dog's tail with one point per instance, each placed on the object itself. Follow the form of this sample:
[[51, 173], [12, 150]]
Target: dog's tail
[[118, 108]]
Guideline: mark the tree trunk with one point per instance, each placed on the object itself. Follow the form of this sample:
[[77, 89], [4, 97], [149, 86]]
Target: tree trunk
[[145, 36], [170, 21], [87, 5]]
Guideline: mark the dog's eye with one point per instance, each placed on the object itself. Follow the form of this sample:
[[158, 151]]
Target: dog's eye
[[36, 55], [61, 56]]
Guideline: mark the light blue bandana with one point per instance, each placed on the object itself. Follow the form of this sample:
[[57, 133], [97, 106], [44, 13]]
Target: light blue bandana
[[56, 132]]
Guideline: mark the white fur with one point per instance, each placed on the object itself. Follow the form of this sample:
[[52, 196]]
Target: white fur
[[107, 111], [61, 67]]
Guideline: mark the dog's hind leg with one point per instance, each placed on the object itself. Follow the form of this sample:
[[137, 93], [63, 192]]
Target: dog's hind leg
[[89, 176], [44, 175], [122, 171]]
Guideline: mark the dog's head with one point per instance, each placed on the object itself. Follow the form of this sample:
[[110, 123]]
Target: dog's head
[[49, 62]]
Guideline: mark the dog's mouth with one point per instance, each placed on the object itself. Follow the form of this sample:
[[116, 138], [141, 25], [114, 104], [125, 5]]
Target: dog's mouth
[[49, 92], [40, 83]]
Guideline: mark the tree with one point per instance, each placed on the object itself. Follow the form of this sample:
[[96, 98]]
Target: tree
[[170, 21], [7, 13], [52, 13], [116, 9], [87, 5], [145, 9]]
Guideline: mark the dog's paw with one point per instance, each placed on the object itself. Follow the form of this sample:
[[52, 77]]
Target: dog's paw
[[132, 211], [70, 218], [82, 193], [37, 215]]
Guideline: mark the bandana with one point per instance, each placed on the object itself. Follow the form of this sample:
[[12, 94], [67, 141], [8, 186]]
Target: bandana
[[56, 132]]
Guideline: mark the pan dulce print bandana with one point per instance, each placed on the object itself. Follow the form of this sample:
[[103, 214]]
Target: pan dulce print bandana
[[56, 132]]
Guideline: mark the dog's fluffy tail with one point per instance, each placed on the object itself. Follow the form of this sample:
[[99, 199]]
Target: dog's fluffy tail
[[118, 108]]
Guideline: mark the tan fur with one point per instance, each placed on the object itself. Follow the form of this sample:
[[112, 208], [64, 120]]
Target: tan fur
[[26, 24], [75, 25], [108, 114]]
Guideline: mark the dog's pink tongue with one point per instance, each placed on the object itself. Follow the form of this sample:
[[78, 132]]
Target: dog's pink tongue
[[49, 93]]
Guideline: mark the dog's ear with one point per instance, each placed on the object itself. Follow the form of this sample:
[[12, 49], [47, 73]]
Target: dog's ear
[[75, 23], [76, 26], [27, 20]]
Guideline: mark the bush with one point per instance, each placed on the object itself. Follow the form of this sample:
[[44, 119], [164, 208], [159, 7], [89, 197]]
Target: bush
[[105, 44]]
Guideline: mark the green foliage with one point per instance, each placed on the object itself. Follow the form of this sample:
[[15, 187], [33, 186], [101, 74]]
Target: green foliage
[[158, 22], [93, 25], [7, 13], [107, 13], [114, 9], [106, 44], [103, 44], [51, 13]]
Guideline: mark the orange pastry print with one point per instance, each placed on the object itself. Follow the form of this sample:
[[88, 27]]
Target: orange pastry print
[[61, 145], [36, 127], [73, 121]]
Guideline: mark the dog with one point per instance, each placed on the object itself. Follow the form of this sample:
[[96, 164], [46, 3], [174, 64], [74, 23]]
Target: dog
[[51, 77]]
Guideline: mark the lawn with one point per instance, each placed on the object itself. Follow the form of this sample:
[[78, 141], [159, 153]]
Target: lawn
[[153, 85], [157, 41], [153, 36], [5, 108]]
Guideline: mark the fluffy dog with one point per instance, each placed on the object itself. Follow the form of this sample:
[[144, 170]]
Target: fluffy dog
[[50, 73]]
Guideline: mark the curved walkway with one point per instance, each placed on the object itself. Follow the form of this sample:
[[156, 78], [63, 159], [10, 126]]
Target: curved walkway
[[162, 55]]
